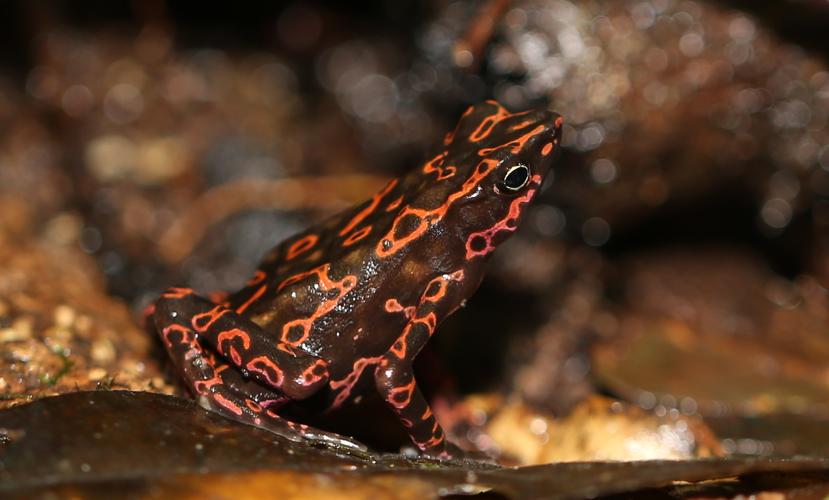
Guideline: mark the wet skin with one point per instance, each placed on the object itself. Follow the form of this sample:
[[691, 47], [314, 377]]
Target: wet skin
[[360, 294]]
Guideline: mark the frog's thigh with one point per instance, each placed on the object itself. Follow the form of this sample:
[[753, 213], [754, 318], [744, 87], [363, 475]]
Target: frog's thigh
[[220, 388], [295, 373], [215, 385]]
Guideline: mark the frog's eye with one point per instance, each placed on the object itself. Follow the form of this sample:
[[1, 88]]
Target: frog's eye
[[515, 179]]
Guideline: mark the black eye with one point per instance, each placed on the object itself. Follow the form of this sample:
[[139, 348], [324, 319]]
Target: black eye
[[516, 178]]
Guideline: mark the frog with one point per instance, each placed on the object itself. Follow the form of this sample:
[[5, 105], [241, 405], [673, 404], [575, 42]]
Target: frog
[[354, 299]]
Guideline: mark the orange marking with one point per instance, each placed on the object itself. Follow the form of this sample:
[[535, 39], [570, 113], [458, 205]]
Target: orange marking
[[177, 293], [515, 144], [371, 207], [301, 246], [202, 386], [257, 278], [236, 333], [148, 311], [489, 123], [407, 389], [520, 125], [393, 306], [253, 298], [212, 316], [430, 321], [502, 225], [231, 352], [261, 365], [347, 383], [396, 203], [399, 346], [451, 135], [436, 165], [309, 375], [441, 281], [228, 404], [326, 284], [431, 443], [547, 149], [357, 236], [427, 217], [186, 334]]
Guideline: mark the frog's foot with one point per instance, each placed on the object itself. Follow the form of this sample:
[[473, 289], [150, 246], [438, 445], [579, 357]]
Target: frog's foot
[[444, 451], [450, 452], [312, 435], [396, 384], [251, 403]]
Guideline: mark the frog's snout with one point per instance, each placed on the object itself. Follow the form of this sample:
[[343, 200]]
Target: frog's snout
[[549, 140], [553, 123]]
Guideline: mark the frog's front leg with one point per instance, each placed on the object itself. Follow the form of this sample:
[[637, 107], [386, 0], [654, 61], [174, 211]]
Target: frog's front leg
[[184, 320], [394, 376]]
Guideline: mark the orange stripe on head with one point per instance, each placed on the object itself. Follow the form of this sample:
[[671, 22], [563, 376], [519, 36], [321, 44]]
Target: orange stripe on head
[[516, 144]]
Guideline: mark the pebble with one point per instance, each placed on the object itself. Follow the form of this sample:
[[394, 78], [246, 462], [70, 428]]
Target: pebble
[[103, 351], [64, 316], [96, 374]]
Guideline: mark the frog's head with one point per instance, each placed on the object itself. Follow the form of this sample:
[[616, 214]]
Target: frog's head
[[501, 159], [479, 184]]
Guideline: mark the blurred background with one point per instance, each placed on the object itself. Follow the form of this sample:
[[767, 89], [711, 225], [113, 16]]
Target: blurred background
[[677, 267]]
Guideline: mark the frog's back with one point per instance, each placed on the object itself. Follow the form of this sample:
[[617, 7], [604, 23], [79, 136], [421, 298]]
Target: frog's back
[[347, 274]]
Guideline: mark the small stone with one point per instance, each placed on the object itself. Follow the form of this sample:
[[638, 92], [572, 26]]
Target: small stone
[[11, 335], [103, 351], [64, 229], [111, 157], [64, 316], [83, 324], [96, 374], [57, 335], [21, 329]]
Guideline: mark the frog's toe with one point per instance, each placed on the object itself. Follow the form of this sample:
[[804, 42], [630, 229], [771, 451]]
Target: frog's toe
[[446, 451], [313, 436], [335, 441]]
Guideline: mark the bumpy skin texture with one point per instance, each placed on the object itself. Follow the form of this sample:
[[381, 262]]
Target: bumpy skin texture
[[361, 294]]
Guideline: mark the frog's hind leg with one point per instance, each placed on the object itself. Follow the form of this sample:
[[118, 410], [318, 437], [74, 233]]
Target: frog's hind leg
[[244, 344], [219, 387]]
